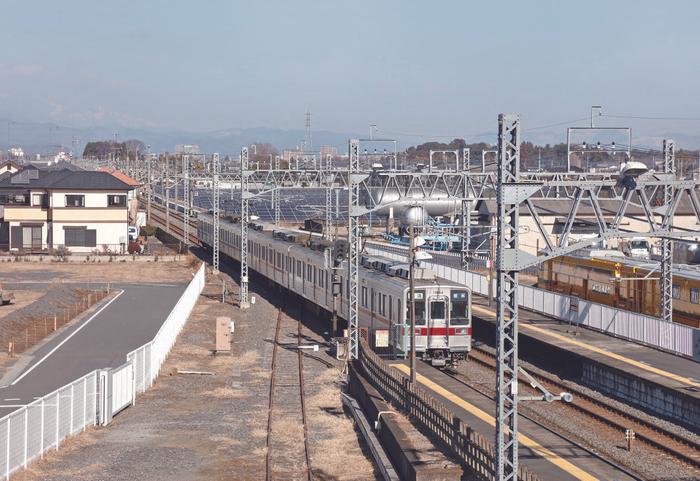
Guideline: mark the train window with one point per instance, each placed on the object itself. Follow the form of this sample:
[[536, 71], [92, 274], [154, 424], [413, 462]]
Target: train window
[[384, 305], [437, 310], [398, 311], [391, 308], [308, 272], [420, 308], [371, 300], [320, 278], [314, 274], [676, 291], [459, 308], [299, 272], [264, 253], [364, 297], [694, 295]]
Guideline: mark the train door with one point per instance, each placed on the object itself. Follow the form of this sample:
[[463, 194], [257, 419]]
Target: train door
[[437, 322], [460, 321], [421, 334]]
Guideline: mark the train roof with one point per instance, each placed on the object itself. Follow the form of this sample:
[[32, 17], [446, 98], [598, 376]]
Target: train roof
[[613, 256], [422, 277]]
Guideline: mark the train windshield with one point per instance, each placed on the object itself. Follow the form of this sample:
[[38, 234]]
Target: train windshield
[[420, 308], [639, 244], [437, 310], [459, 308]]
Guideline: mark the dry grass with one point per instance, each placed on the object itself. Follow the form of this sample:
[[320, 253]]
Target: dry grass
[[72, 444], [259, 433], [291, 431], [340, 429], [101, 272], [341, 462], [260, 452], [248, 358], [190, 350], [226, 393]]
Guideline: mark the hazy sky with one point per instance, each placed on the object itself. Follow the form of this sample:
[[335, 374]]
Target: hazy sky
[[411, 67]]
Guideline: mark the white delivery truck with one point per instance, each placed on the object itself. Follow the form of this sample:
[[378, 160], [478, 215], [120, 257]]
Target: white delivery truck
[[637, 247]]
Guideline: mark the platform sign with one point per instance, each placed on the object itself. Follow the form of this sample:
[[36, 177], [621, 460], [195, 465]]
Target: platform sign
[[574, 304], [381, 339]]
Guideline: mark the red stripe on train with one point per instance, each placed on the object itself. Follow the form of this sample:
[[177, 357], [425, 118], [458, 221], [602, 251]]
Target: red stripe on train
[[439, 331]]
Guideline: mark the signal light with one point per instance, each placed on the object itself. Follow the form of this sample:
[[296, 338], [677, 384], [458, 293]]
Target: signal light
[[340, 250]]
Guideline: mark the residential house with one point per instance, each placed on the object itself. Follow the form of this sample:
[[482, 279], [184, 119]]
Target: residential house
[[44, 209]]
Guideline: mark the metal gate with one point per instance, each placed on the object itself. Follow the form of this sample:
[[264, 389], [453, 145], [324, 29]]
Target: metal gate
[[116, 391]]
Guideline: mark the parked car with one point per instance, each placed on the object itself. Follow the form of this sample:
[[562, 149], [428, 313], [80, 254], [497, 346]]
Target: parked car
[[133, 234]]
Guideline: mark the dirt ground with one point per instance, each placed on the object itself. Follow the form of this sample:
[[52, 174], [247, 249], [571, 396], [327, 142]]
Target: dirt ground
[[191, 426]]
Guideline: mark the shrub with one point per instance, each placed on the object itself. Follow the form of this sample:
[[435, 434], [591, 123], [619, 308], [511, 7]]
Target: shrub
[[62, 253]]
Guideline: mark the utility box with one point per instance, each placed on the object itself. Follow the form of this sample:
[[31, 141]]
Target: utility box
[[223, 334]]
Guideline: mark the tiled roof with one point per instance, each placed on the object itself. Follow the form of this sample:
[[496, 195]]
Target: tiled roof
[[121, 176], [67, 180]]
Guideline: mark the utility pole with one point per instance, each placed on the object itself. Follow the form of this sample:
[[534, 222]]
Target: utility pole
[[150, 192], [412, 291], [167, 193]]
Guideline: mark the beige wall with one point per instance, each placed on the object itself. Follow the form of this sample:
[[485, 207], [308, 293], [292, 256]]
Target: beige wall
[[25, 214]]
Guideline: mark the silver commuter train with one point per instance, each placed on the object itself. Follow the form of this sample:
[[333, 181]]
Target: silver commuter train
[[295, 260]]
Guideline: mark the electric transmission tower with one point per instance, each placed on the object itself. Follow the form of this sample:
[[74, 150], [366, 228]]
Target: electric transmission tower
[[308, 143]]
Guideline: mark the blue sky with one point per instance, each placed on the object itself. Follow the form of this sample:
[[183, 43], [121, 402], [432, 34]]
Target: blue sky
[[427, 68]]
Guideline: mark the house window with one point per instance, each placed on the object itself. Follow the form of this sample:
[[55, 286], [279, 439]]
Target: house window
[[75, 201], [116, 200], [38, 199], [81, 237]]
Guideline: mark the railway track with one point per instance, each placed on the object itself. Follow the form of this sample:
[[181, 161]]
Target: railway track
[[646, 432], [288, 455], [177, 222]]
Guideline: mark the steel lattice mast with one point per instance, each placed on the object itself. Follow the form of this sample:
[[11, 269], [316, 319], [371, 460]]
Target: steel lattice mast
[[666, 243], [186, 198], [245, 197], [355, 212], [329, 197], [508, 244], [215, 200]]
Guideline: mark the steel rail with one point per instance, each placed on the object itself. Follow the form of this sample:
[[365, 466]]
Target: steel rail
[[646, 439], [557, 433]]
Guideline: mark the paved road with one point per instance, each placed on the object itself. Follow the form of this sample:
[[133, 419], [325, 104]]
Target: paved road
[[100, 340]]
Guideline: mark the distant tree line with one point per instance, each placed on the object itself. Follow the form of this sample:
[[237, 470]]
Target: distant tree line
[[103, 148], [553, 157]]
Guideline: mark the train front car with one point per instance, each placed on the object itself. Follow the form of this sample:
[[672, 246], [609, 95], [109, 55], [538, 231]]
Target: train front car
[[443, 324]]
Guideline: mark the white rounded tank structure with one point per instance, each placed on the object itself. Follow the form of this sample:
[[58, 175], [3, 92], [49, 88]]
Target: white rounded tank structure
[[414, 214], [434, 204]]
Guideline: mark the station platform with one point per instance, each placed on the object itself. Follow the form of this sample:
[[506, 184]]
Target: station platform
[[651, 379], [542, 452]]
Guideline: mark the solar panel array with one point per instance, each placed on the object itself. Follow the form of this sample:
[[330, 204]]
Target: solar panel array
[[296, 205]]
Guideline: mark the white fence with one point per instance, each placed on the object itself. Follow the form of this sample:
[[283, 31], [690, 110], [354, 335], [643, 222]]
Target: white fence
[[37, 427], [649, 330], [148, 359], [30, 431]]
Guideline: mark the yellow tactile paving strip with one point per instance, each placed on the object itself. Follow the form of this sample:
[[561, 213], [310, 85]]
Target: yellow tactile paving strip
[[522, 439], [598, 350]]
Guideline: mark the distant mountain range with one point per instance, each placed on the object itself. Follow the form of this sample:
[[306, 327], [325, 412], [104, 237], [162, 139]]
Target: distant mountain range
[[35, 138]]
